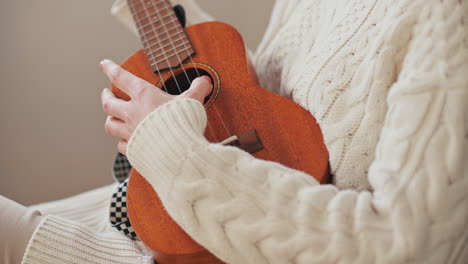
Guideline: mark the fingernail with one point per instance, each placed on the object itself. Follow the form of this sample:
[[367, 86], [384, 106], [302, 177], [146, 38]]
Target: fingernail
[[206, 78], [108, 66], [105, 61]]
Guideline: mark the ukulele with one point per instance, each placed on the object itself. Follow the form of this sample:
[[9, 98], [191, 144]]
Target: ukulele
[[240, 113]]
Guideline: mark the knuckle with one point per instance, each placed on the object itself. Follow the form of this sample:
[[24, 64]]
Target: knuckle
[[108, 125], [139, 91], [126, 115], [115, 73], [105, 106], [108, 128], [103, 95]]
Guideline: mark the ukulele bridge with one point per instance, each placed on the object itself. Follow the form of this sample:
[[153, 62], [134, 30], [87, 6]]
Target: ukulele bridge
[[248, 141]]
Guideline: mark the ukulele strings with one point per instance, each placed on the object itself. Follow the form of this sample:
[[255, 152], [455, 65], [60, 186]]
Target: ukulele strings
[[176, 53], [153, 29], [143, 36], [159, 42], [171, 42], [199, 75]]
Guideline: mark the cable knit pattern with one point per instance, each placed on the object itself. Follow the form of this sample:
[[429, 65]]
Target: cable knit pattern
[[388, 84], [341, 72]]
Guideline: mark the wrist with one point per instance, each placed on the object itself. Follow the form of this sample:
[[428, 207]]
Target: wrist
[[164, 137]]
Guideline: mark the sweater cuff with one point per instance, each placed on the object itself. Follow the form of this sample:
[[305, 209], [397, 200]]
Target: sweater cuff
[[163, 139], [59, 240]]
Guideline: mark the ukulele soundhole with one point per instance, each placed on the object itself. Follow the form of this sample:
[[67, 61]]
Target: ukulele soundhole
[[177, 81], [182, 80]]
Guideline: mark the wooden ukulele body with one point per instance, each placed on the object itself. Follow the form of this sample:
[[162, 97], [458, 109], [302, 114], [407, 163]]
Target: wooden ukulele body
[[289, 134]]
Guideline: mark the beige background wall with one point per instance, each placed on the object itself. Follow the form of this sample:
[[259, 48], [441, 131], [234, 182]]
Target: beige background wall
[[52, 139]]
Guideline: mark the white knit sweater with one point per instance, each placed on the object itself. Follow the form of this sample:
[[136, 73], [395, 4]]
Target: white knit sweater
[[388, 84]]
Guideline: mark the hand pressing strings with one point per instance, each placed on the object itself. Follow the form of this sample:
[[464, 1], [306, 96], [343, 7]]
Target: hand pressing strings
[[124, 116]]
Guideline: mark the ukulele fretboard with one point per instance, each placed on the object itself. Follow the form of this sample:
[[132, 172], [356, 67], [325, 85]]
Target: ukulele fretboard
[[164, 40]]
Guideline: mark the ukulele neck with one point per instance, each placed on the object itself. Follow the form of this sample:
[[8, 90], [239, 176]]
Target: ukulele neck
[[164, 39]]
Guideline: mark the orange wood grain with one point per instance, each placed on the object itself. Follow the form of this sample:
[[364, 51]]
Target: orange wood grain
[[289, 133]]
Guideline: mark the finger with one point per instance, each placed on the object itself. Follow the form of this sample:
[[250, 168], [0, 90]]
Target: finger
[[112, 105], [122, 146], [117, 128], [201, 87], [122, 79]]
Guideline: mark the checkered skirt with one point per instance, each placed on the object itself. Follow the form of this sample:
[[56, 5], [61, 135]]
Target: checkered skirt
[[118, 206]]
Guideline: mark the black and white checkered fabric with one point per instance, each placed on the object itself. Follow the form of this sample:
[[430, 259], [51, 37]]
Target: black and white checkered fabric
[[121, 168], [118, 212], [118, 206]]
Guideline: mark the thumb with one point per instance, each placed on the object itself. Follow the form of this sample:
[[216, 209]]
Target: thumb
[[200, 88]]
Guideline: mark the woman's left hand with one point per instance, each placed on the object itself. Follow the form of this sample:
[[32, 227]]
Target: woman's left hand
[[124, 116]]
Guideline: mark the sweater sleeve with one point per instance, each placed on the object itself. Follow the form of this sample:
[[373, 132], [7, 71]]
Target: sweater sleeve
[[58, 240], [247, 210]]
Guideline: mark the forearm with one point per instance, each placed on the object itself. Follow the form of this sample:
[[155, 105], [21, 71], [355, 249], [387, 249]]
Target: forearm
[[243, 209], [247, 210]]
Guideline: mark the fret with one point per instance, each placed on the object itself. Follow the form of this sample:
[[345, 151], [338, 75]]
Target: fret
[[162, 35], [153, 5], [143, 12], [168, 37], [135, 14], [168, 44], [153, 20], [138, 13], [166, 59], [148, 11], [156, 35], [171, 49], [153, 59], [134, 4], [174, 53], [189, 51], [160, 26], [173, 42]]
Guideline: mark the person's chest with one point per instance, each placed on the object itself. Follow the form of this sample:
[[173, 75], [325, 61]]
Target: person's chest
[[338, 59]]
